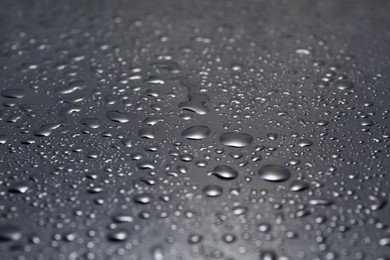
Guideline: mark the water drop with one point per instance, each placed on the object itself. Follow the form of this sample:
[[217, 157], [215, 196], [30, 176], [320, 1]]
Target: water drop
[[224, 172], [118, 236], [9, 233], [212, 190], [117, 116], [238, 140], [196, 132], [13, 93], [305, 143], [274, 173]]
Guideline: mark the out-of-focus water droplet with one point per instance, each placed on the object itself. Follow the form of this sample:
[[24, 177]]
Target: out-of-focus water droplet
[[377, 203], [121, 218], [170, 66], [194, 239], [212, 190], [9, 233], [384, 241], [157, 253], [3, 139], [344, 84], [118, 236], [229, 238], [320, 202], [267, 255], [20, 187], [143, 198], [239, 210]]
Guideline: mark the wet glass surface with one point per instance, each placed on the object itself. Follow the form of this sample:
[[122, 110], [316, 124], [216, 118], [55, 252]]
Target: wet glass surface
[[194, 129]]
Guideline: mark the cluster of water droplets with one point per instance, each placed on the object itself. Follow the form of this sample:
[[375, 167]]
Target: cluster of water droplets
[[154, 143]]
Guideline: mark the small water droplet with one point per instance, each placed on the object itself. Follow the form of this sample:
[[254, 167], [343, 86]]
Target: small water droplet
[[305, 143], [212, 190]]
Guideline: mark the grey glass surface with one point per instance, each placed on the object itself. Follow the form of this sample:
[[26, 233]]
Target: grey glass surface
[[194, 129]]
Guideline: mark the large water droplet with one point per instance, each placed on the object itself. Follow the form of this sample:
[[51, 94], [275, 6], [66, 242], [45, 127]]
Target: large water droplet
[[196, 104], [196, 132], [236, 139], [224, 172], [274, 173], [117, 116]]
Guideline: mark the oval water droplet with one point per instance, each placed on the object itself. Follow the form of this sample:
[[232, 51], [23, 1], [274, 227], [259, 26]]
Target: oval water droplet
[[142, 198], [118, 236], [13, 93], [237, 140], [224, 172], [196, 132], [274, 173], [305, 143], [212, 190], [299, 186], [344, 84], [118, 117], [92, 123]]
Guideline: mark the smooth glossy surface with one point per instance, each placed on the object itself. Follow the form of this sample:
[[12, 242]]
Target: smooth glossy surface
[[204, 129]]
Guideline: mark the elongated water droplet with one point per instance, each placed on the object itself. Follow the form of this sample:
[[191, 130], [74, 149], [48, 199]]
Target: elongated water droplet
[[238, 140], [196, 132], [117, 116], [224, 172], [274, 173]]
